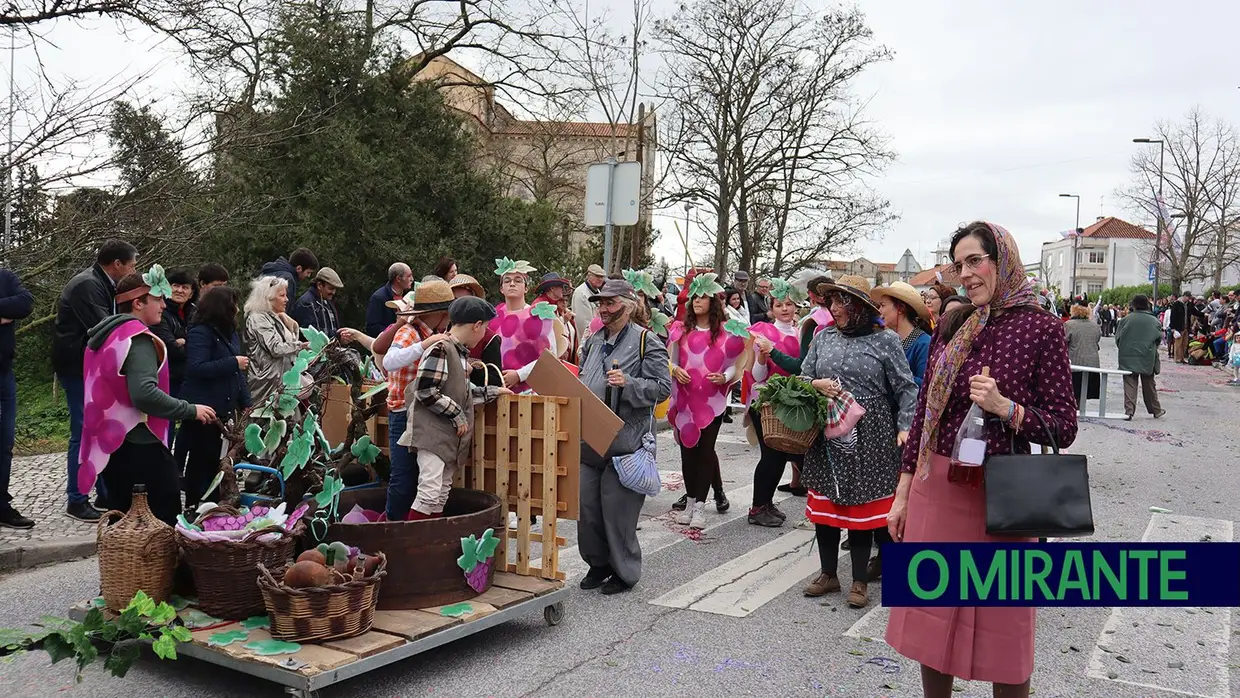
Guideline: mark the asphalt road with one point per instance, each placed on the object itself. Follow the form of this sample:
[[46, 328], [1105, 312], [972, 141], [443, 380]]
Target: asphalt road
[[752, 632]]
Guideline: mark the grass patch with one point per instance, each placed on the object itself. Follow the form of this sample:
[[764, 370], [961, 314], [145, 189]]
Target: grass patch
[[42, 418]]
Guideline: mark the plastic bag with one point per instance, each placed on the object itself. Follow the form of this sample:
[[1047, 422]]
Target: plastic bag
[[638, 470]]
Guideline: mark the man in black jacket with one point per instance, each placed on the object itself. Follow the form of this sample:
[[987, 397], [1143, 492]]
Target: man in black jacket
[[15, 303], [299, 266], [86, 300], [378, 315]]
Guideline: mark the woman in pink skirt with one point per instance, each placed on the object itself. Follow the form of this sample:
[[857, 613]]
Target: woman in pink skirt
[[1024, 347]]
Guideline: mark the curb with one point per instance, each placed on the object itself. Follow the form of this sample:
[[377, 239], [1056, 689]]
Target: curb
[[36, 553]]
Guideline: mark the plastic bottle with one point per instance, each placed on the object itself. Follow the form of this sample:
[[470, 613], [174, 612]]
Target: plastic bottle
[[969, 449]]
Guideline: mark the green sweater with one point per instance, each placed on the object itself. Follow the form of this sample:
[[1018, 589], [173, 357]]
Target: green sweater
[[792, 364], [141, 371]]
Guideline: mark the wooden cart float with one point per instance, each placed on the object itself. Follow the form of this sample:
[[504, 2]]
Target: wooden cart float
[[532, 437], [394, 636]]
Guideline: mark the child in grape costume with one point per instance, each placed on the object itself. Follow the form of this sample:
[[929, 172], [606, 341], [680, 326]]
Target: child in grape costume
[[721, 351], [525, 331], [783, 336]]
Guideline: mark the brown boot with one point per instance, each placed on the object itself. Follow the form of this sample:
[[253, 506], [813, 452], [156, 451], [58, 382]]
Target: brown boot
[[823, 584], [857, 595]]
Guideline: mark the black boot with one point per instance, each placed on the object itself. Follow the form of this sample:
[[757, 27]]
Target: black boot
[[595, 577]]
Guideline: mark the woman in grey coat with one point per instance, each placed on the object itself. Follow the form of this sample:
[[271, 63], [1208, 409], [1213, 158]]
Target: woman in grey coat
[[272, 338], [627, 363], [1084, 336]]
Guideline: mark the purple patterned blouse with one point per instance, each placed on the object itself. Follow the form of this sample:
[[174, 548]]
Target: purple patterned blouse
[[1027, 353]]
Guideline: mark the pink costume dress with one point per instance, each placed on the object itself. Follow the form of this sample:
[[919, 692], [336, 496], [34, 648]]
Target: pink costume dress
[[1027, 353], [108, 413], [524, 335], [785, 339], [696, 404]]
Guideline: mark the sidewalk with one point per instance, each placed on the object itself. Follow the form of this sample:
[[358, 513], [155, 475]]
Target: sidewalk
[[38, 489]]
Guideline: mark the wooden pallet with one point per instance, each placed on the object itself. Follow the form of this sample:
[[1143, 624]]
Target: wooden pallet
[[391, 633], [518, 440]]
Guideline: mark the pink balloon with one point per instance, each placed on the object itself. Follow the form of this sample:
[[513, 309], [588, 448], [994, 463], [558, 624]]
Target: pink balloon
[[509, 325], [524, 353], [702, 413], [110, 435], [690, 435], [698, 341], [734, 346], [713, 360], [533, 327]]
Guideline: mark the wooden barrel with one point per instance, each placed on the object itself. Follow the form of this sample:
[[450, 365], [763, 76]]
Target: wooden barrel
[[421, 555]]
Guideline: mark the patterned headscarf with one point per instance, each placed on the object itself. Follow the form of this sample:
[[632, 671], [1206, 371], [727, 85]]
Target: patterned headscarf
[[1012, 290]]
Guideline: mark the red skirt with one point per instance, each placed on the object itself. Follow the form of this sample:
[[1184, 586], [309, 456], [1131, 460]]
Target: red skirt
[[858, 517]]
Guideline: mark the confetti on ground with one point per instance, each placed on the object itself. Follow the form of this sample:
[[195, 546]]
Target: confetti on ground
[[1151, 435]]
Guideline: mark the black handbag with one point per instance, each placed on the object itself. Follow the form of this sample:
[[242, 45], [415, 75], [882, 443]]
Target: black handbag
[[1043, 495]]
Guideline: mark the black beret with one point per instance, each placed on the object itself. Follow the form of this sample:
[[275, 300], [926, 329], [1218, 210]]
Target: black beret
[[467, 310]]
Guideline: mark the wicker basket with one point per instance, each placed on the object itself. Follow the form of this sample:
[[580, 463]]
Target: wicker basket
[[781, 438], [138, 551], [224, 570], [320, 613]]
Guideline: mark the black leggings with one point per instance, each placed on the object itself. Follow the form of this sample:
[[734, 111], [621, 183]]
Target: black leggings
[[149, 464], [700, 465], [859, 543], [200, 445], [770, 468]]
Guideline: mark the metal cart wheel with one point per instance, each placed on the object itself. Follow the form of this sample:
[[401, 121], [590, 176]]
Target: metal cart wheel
[[554, 613], [300, 692]]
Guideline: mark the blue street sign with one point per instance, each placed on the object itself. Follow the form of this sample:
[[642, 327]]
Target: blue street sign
[[1151, 271]]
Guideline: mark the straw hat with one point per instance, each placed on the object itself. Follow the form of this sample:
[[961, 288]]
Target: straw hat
[[855, 286], [429, 297], [468, 282], [905, 294]]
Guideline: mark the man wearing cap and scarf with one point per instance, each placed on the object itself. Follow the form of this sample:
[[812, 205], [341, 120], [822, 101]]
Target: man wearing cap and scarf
[[417, 324], [442, 400], [633, 362], [317, 308], [125, 370], [583, 310]]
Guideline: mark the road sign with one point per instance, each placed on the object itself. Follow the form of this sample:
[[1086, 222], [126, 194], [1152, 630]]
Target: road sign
[[1152, 268], [626, 181]]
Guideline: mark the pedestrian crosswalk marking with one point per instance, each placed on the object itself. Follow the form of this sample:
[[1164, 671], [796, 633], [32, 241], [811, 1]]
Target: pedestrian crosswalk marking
[[742, 585], [1198, 641], [655, 537]]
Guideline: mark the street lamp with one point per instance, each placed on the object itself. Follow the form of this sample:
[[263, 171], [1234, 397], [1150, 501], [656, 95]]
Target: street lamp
[[1076, 237], [1157, 208]]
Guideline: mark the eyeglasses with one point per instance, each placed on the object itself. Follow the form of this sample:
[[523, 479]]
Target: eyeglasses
[[973, 261]]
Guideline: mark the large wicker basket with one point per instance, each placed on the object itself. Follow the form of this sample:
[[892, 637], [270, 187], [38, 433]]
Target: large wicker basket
[[137, 551], [781, 438], [224, 571], [320, 613]]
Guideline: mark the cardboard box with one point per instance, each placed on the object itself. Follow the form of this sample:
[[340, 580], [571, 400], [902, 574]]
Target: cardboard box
[[599, 425]]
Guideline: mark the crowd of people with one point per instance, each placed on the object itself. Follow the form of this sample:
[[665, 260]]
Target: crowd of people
[[153, 364]]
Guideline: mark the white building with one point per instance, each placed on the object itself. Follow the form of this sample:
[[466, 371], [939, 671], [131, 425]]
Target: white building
[[1109, 253]]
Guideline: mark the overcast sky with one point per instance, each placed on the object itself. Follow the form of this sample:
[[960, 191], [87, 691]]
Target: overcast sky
[[994, 108]]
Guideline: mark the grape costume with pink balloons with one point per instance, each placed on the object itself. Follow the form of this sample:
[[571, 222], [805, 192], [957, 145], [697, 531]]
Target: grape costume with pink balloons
[[696, 404], [127, 408], [524, 333]]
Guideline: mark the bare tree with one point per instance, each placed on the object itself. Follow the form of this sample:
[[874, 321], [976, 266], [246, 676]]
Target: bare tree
[[1200, 182], [765, 130]]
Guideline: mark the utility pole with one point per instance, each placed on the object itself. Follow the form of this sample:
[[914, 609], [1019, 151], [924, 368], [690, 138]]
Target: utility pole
[[8, 158], [1158, 211], [1076, 238]]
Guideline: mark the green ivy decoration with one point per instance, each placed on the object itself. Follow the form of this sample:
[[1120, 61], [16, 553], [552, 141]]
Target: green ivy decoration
[[782, 290], [642, 281], [659, 322], [118, 640], [705, 285], [256, 623], [736, 327], [286, 404], [332, 487], [317, 340], [543, 310], [457, 610], [477, 550], [254, 440], [158, 281], [503, 265], [298, 453], [195, 618], [267, 648], [227, 638], [365, 451]]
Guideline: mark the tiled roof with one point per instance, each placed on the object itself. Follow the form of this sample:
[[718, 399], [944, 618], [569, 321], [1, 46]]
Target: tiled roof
[[886, 266], [928, 278], [1112, 227], [584, 129]]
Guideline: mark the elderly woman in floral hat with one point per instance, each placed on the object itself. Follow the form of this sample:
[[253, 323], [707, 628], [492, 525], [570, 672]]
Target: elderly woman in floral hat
[[128, 408]]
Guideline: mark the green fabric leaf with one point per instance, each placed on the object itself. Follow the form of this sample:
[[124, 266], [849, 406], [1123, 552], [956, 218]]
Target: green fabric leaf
[[659, 323], [196, 618], [225, 639], [365, 451], [254, 440], [642, 281], [503, 265], [215, 482], [469, 554], [457, 610], [331, 489], [543, 310], [270, 647], [292, 377], [286, 403], [782, 290], [155, 278], [256, 622], [296, 457], [274, 435], [487, 545], [165, 647], [705, 285], [736, 327], [317, 340]]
